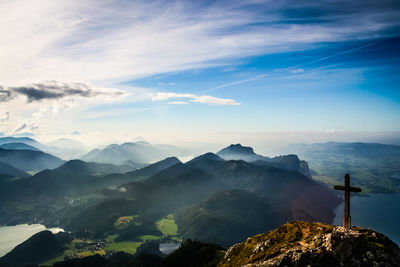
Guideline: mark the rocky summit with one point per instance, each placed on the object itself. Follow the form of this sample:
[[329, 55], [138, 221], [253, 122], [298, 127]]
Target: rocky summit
[[314, 244]]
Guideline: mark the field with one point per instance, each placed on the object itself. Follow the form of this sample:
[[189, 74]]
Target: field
[[167, 226]]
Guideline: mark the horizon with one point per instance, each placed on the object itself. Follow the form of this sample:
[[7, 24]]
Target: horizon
[[203, 74]]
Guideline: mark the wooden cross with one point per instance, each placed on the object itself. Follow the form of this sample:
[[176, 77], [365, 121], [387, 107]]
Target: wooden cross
[[347, 189]]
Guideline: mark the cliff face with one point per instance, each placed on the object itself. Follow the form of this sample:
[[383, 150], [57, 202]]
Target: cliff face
[[314, 244]]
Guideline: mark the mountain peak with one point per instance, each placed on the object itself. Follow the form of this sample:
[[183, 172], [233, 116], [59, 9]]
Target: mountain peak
[[206, 156], [316, 244], [237, 149]]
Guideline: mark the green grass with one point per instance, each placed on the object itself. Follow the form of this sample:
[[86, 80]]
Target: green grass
[[72, 250], [128, 247], [111, 238], [69, 250], [167, 225], [150, 237]]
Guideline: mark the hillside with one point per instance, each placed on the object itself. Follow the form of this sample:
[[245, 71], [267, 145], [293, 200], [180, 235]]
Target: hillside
[[18, 146], [37, 249], [55, 196], [29, 160], [293, 244], [315, 244], [225, 217], [12, 171]]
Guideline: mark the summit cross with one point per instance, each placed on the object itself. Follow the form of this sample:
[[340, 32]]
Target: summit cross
[[347, 189]]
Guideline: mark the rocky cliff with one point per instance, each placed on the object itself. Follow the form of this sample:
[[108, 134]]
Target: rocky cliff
[[314, 244]]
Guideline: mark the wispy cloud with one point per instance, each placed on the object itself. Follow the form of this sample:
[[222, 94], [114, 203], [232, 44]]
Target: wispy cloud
[[237, 82], [4, 116], [108, 41], [31, 127], [204, 99]]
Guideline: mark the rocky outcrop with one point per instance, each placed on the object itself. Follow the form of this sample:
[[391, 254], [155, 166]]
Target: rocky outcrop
[[314, 244]]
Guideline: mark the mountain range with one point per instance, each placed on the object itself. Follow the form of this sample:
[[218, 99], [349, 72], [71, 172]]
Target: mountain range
[[373, 167], [219, 198], [139, 152]]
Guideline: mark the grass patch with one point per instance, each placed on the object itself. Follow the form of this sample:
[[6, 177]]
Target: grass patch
[[111, 238], [150, 237], [128, 247], [167, 225]]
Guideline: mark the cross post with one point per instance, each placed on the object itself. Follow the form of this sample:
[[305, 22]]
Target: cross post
[[347, 189]]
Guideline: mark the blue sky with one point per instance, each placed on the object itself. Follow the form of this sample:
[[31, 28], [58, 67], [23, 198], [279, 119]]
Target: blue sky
[[201, 71]]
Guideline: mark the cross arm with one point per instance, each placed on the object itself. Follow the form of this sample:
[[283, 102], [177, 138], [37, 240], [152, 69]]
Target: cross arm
[[351, 189]]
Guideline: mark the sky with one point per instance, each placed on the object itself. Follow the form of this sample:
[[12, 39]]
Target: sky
[[256, 72]]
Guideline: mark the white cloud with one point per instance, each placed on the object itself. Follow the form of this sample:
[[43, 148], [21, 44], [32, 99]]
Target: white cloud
[[178, 103], [204, 99], [330, 131], [168, 95], [215, 101], [297, 71]]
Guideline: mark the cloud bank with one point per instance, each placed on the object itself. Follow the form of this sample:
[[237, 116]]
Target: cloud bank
[[55, 90]]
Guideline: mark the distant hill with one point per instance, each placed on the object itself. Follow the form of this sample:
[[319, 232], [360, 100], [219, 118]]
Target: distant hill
[[288, 162], [37, 249], [25, 140], [18, 146], [141, 152], [29, 160], [63, 148], [12, 171], [67, 148], [374, 167]]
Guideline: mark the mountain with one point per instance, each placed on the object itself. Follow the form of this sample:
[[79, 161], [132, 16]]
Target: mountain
[[67, 148], [54, 196], [229, 215], [37, 249], [25, 140], [141, 152], [68, 143], [288, 162], [18, 146], [29, 160], [314, 244], [374, 167], [12, 171], [238, 151], [217, 187], [72, 178]]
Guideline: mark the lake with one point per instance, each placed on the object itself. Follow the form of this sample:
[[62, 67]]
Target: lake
[[169, 247], [11, 236], [380, 212]]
